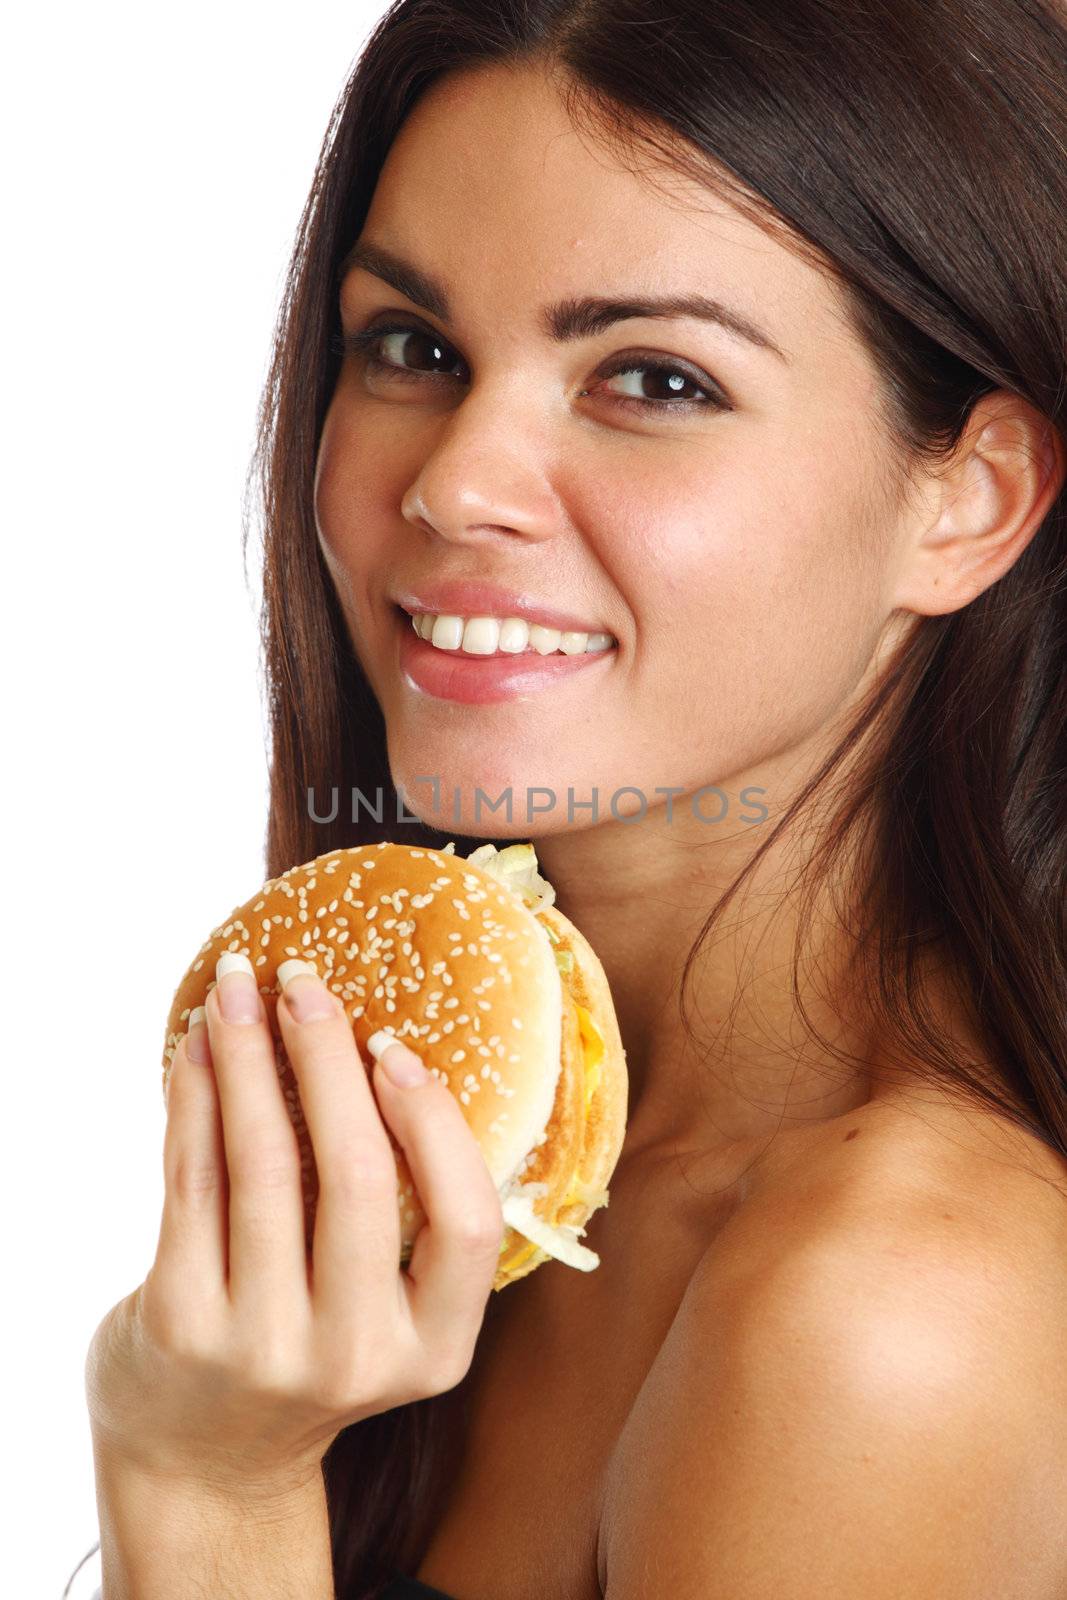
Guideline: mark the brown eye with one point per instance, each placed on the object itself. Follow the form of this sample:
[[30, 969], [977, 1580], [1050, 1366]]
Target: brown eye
[[409, 349], [668, 385], [399, 348]]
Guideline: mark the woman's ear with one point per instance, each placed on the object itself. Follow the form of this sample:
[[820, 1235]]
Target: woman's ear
[[984, 506]]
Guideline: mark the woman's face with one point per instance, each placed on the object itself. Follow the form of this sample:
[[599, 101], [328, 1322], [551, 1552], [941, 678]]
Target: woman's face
[[736, 541]]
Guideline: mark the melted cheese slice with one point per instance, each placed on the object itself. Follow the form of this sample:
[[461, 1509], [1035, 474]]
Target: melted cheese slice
[[592, 1059]]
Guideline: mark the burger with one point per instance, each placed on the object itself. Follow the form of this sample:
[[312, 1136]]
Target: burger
[[469, 962]]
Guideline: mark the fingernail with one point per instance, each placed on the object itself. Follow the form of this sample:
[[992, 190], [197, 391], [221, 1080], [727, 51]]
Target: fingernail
[[197, 1044], [238, 994], [400, 1065], [305, 994]]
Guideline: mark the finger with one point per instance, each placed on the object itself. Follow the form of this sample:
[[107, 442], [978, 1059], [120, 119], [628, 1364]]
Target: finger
[[456, 1252], [267, 1259], [356, 1240], [191, 1255]]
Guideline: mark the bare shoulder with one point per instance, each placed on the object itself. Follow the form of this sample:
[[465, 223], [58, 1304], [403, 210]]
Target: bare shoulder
[[948, 1171], [865, 1388]]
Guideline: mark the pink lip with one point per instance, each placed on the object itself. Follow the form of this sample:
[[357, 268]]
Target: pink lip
[[483, 680], [471, 598]]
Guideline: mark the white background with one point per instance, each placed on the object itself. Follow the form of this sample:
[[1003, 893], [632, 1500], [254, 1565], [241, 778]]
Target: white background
[[157, 162]]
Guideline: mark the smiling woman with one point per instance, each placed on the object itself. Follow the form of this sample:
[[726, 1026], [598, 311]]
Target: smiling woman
[[670, 393]]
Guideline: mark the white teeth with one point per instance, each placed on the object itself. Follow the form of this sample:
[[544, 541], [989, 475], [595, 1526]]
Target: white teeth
[[485, 636], [514, 635], [447, 633], [544, 640], [480, 636]]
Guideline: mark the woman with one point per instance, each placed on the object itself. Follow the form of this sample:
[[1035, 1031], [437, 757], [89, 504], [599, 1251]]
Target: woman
[[735, 332]]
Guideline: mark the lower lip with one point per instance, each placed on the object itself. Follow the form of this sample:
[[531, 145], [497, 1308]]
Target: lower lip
[[483, 680]]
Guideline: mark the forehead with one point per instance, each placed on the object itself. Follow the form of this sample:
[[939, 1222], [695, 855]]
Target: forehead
[[491, 186]]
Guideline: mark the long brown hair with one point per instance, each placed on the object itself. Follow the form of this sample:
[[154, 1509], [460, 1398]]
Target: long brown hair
[[915, 149]]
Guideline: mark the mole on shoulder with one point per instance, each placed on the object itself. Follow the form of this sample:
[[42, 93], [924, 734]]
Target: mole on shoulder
[[851, 1134]]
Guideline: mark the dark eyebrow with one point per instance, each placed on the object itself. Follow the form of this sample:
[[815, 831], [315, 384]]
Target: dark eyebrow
[[567, 319]]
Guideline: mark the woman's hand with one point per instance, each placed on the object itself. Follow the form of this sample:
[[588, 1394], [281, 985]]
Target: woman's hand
[[239, 1359]]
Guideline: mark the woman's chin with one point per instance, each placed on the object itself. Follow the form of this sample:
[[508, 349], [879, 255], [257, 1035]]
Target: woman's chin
[[453, 795]]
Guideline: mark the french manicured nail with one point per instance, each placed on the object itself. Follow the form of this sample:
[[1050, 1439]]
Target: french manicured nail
[[197, 1044], [305, 993], [400, 1065], [238, 994]]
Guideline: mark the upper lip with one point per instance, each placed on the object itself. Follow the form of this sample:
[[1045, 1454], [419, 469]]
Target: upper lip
[[471, 597]]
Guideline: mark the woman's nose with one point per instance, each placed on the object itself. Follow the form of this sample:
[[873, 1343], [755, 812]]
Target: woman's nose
[[472, 488]]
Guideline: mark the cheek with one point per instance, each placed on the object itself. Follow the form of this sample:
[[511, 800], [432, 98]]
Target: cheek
[[351, 521], [755, 592], [355, 501]]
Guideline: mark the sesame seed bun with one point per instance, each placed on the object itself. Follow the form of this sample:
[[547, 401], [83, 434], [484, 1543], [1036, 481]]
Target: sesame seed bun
[[459, 960]]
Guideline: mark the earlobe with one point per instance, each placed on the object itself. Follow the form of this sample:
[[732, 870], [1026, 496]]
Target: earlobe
[[990, 501]]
